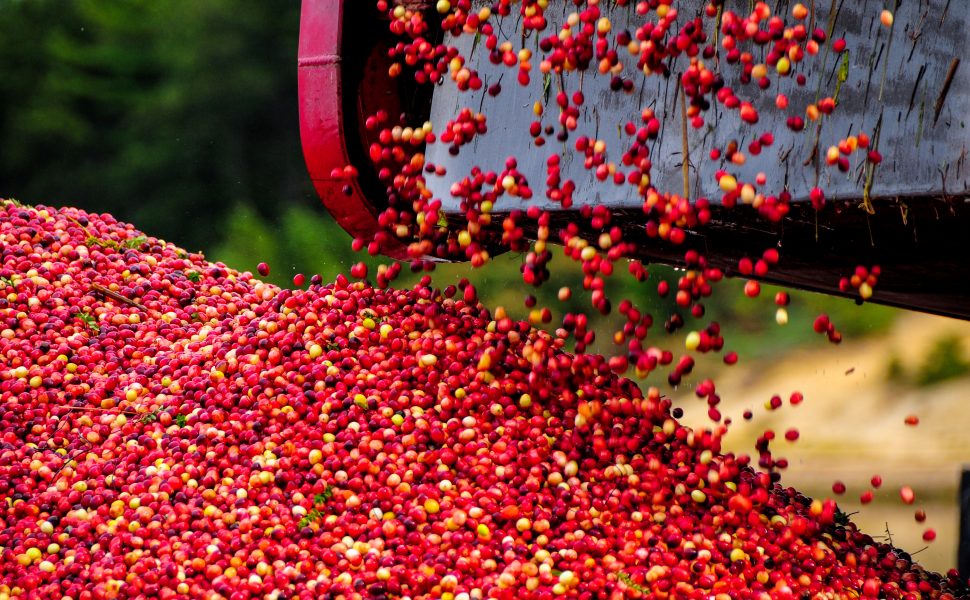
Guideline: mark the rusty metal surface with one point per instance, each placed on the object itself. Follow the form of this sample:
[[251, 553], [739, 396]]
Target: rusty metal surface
[[897, 76]]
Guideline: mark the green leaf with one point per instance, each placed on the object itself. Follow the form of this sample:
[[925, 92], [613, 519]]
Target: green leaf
[[96, 241], [322, 498], [89, 321], [843, 75], [625, 578], [478, 38], [150, 417], [135, 242]]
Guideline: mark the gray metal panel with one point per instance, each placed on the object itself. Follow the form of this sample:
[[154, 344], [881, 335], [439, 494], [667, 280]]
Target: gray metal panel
[[922, 154]]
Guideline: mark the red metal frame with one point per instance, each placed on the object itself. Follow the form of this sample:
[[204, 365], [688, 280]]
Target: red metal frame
[[336, 88]]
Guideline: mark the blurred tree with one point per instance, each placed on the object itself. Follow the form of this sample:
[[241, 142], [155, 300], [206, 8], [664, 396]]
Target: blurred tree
[[304, 241], [945, 360], [167, 114]]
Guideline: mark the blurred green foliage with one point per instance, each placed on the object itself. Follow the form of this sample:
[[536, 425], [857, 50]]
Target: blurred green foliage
[[896, 370], [945, 360], [166, 114], [181, 117]]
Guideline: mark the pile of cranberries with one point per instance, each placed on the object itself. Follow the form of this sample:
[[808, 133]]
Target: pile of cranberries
[[172, 428]]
